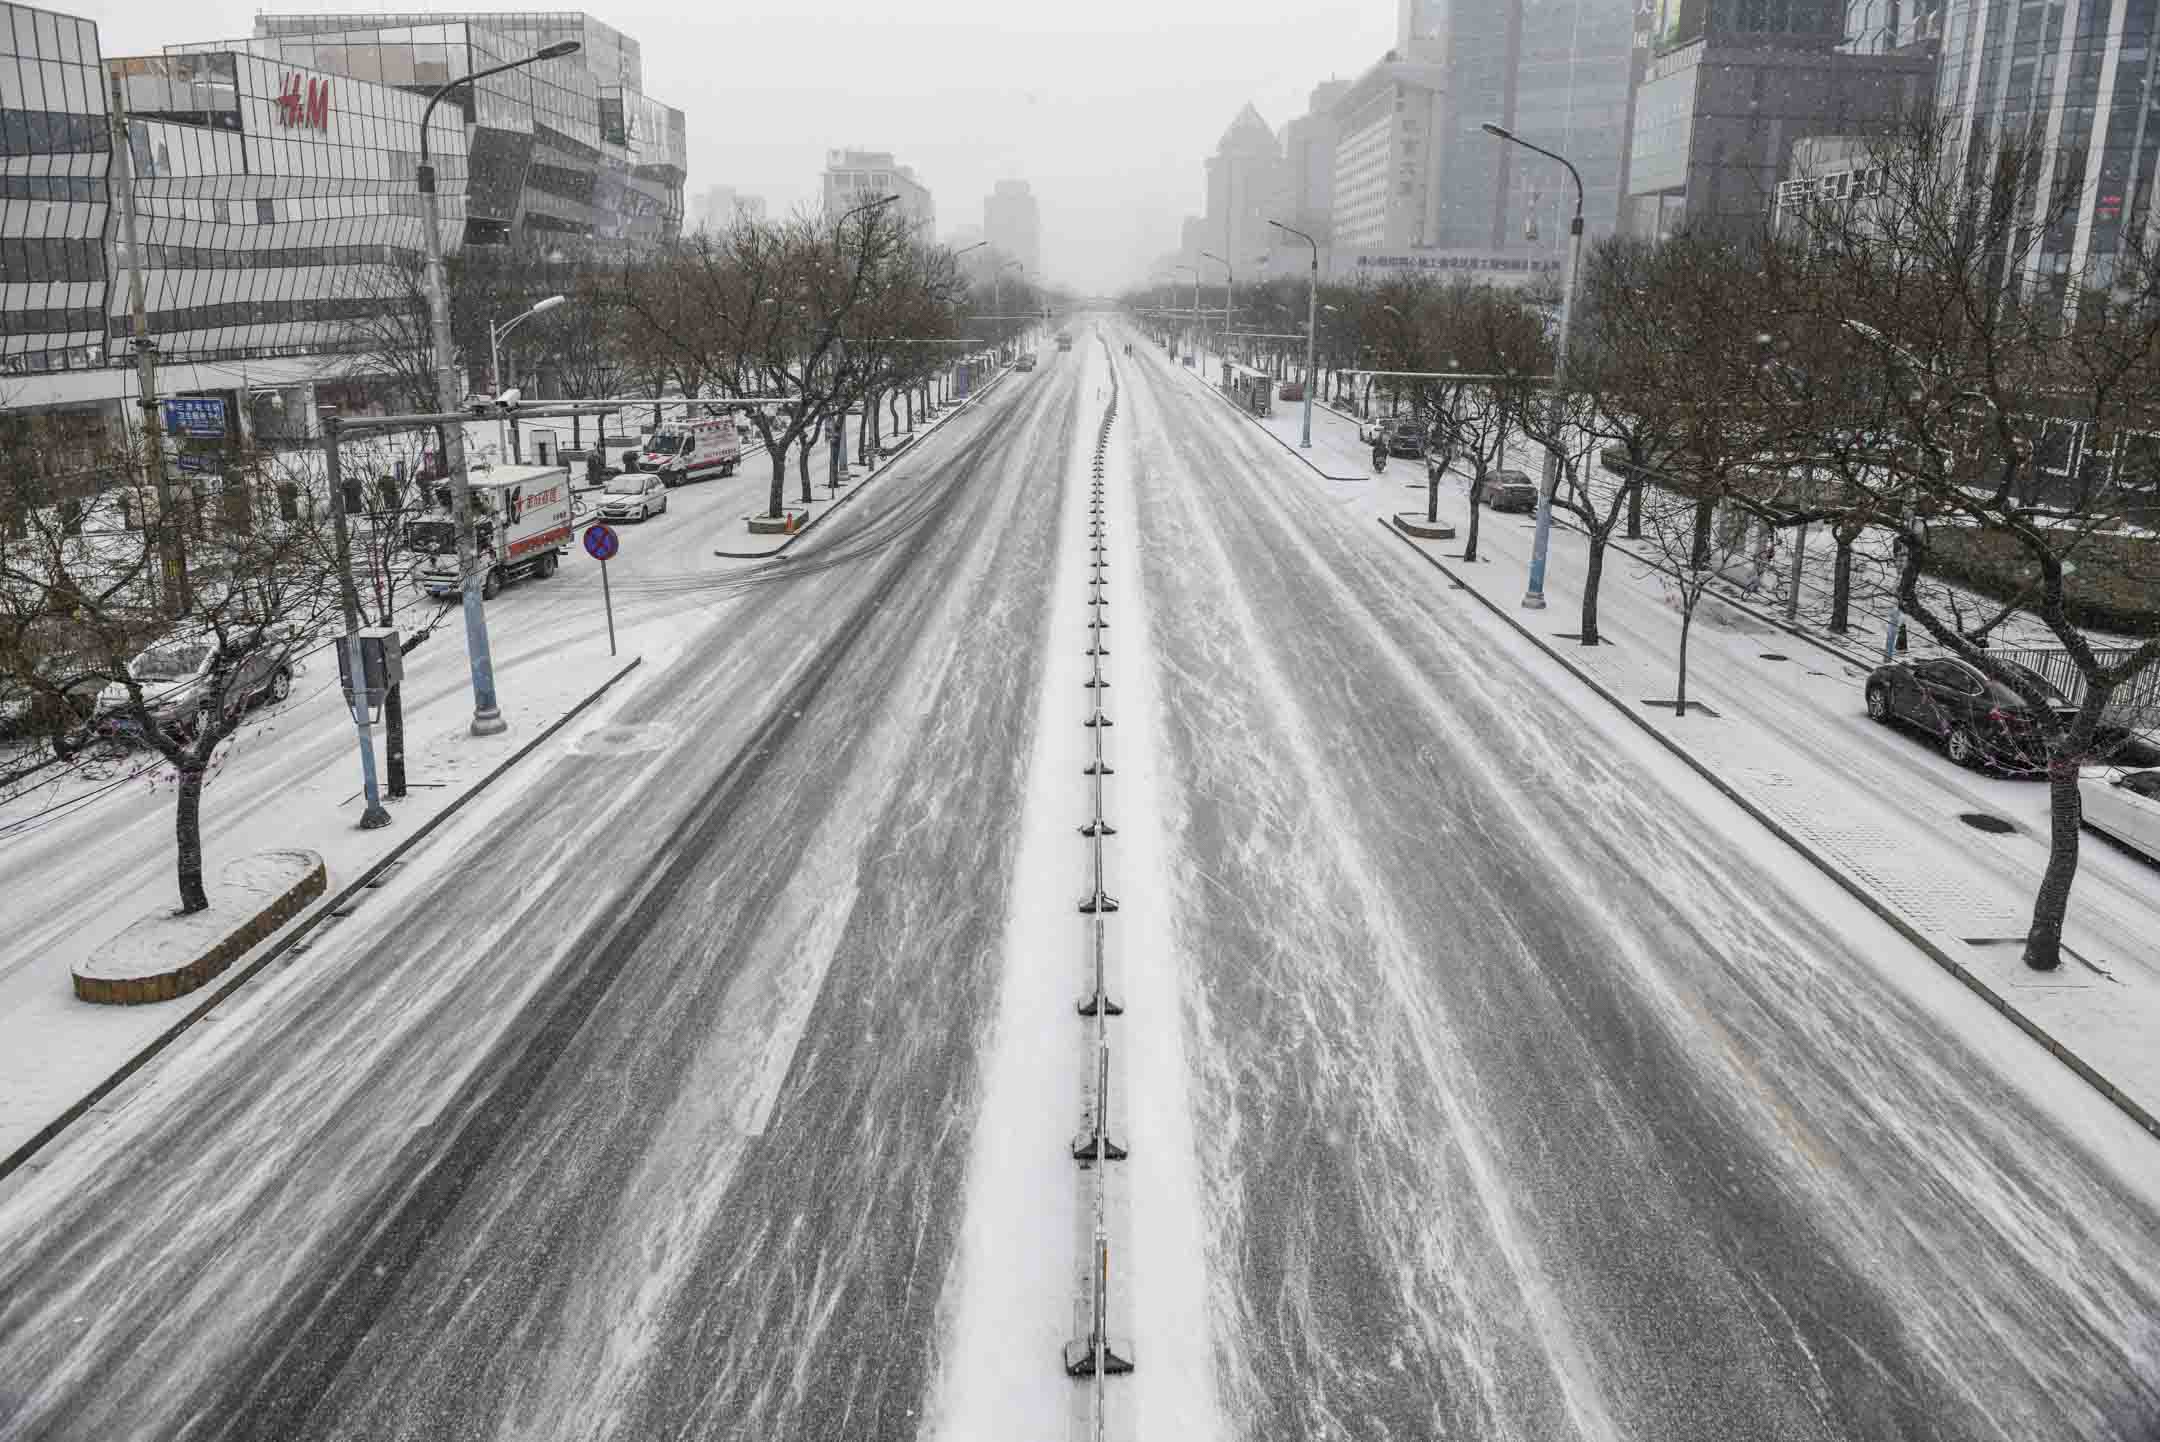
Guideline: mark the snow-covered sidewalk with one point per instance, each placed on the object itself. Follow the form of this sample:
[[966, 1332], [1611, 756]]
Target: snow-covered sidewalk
[[1790, 741]]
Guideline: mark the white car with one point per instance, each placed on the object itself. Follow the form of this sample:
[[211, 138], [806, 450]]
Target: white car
[[633, 497], [2125, 805]]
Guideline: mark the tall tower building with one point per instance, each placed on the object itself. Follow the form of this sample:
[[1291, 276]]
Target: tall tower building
[[1012, 223]]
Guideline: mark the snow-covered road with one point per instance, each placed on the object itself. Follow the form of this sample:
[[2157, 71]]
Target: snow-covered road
[[1528, 1093], [1531, 1103]]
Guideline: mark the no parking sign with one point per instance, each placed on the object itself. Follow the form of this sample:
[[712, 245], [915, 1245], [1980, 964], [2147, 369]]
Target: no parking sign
[[601, 542]]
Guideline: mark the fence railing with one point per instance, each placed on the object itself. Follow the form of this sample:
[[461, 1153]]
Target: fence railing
[[2135, 705]]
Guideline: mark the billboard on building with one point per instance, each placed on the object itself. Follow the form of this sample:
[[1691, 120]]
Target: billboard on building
[[1680, 22]]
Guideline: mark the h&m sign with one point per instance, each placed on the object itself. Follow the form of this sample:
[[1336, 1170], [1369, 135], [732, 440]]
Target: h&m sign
[[304, 102]]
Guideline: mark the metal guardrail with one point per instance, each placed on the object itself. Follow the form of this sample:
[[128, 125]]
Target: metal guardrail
[[2135, 706]]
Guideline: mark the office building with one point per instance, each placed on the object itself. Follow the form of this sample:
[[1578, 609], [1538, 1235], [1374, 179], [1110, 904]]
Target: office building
[[275, 204], [1386, 183], [1727, 88], [1247, 184], [1013, 224], [2080, 73], [1309, 163], [721, 206], [1555, 72], [55, 149], [564, 152], [857, 177]]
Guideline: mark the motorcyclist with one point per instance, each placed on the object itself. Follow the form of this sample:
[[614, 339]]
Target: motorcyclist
[[1379, 454]]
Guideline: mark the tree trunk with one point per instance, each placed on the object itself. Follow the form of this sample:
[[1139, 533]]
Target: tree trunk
[[1687, 624], [1469, 550], [1841, 581], [1591, 577], [1705, 515], [187, 830], [2043, 940], [1432, 495], [394, 738], [777, 501], [1634, 510], [803, 468]]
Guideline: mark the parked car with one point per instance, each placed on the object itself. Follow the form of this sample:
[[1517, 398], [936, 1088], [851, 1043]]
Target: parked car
[[633, 497], [1510, 491], [1026, 361], [2125, 805], [1291, 391], [1978, 720], [182, 676], [1406, 439]]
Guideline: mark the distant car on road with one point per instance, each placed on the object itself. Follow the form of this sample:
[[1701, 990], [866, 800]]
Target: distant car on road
[[1026, 361], [1407, 439], [1291, 391], [1510, 491], [634, 497], [1979, 720], [2125, 805]]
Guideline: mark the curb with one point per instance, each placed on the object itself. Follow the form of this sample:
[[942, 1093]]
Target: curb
[[44, 1135], [1298, 451], [815, 520], [1824, 864]]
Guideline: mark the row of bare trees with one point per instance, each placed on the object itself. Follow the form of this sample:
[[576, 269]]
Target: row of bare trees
[[816, 316], [1900, 368]]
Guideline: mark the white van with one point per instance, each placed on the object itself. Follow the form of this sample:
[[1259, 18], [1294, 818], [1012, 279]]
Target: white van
[[693, 450]]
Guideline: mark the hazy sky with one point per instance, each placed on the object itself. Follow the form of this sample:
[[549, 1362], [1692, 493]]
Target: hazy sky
[[1107, 107]]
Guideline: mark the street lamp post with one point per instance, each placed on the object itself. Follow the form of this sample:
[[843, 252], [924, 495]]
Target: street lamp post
[[1195, 294], [495, 335], [1229, 288], [487, 715], [997, 294], [1312, 323], [838, 466], [1534, 596]]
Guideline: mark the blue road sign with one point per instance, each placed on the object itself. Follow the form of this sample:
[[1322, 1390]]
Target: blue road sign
[[202, 416], [601, 541]]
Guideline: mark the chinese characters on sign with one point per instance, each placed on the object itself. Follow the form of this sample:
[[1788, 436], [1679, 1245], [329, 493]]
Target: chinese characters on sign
[[195, 416], [304, 102]]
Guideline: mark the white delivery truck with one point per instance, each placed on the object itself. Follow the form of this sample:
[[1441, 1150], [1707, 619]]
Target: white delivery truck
[[521, 527], [693, 450]]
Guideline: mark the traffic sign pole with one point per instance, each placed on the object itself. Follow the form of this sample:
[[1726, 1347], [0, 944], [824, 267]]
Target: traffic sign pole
[[601, 542]]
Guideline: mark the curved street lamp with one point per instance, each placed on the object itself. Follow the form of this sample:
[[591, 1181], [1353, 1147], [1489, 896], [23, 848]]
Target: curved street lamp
[[449, 398], [1534, 596], [1312, 322]]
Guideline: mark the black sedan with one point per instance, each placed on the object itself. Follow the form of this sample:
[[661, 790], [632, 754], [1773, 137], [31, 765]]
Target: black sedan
[[1406, 439], [1978, 719]]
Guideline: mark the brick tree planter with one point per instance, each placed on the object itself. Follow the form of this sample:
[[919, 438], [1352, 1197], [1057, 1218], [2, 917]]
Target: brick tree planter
[[164, 955], [785, 524], [1413, 523]]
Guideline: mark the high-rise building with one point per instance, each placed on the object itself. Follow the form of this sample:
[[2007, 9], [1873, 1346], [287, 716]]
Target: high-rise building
[[1554, 72], [1246, 186], [564, 151], [857, 177], [721, 206], [2079, 73], [1309, 161], [1013, 224], [55, 149], [1727, 87], [1386, 181]]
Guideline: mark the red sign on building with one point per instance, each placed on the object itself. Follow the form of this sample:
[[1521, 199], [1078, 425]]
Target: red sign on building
[[305, 105]]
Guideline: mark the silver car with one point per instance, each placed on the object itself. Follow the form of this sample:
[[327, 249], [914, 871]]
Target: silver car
[[2125, 805], [633, 497]]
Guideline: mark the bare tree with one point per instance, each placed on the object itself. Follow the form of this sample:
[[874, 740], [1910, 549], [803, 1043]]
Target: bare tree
[[85, 570], [1955, 362]]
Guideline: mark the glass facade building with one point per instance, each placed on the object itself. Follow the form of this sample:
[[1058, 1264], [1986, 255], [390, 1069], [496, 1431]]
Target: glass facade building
[[55, 149], [275, 204], [2082, 73], [563, 151]]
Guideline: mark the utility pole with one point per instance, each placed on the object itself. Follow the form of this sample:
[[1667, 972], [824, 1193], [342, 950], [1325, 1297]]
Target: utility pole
[[1312, 324], [374, 816], [172, 555]]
